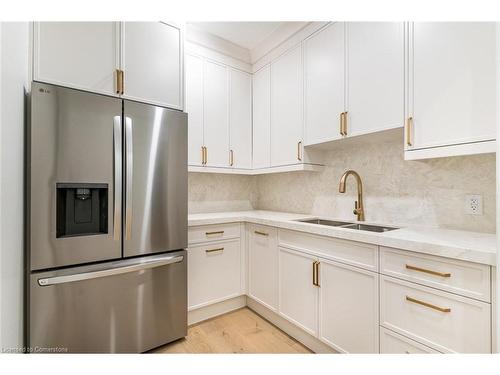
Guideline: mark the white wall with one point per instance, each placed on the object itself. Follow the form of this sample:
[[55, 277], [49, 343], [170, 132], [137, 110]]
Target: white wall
[[14, 43], [497, 299]]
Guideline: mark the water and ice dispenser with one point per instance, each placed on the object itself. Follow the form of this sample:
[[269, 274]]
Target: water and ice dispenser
[[82, 209]]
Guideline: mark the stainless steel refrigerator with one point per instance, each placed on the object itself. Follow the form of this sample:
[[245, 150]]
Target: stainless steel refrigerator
[[107, 223]]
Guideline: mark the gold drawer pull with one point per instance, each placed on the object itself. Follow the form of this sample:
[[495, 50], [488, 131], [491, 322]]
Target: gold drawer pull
[[261, 233], [426, 304], [299, 156], [214, 250], [436, 273], [221, 232]]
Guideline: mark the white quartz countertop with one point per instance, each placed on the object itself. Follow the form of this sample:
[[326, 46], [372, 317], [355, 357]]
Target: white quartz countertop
[[456, 244]]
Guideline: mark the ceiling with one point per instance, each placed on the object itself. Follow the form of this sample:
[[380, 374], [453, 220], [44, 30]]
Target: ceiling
[[244, 34]]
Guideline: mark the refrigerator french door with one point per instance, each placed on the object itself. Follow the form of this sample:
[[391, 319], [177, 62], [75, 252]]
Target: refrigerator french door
[[107, 227]]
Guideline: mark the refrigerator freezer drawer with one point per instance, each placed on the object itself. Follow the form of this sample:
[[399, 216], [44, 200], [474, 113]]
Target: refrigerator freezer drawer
[[127, 306]]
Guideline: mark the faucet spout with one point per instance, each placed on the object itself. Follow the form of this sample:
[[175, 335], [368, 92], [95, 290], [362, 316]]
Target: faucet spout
[[358, 205]]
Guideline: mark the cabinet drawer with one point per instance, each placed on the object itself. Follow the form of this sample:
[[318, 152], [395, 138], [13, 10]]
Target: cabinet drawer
[[349, 252], [464, 278], [393, 343], [214, 272], [208, 233], [443, 321]]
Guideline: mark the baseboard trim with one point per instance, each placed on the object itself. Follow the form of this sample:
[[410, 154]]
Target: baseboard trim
[[216, 309], [297, 333]]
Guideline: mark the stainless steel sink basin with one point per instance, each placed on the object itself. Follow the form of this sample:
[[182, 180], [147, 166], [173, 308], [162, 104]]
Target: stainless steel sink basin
[[348, 225], [370, 228], [330, 223]]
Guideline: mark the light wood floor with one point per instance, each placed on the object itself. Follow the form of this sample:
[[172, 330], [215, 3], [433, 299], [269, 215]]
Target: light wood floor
[[240, 331]]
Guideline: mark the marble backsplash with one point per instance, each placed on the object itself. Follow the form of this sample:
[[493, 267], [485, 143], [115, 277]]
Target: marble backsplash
[[209, 192], [430, 192]]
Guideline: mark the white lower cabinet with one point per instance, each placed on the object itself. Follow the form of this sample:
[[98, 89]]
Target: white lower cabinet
[[333, 294], [214, 273], [263, 265], [298, 296], [348, 308], [444, 321], [393, 343]]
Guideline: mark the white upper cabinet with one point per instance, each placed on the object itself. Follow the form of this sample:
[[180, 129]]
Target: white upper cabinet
[[240, 119], [194, 108], [286, 108], [219, 107], [216, 114], [375, 76], [324, 83], [152, 63], [452, 85], [87, 56], [262, 118], [82, 55]]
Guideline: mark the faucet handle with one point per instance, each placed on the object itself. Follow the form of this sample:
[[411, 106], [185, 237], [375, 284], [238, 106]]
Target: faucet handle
[[355, 211]]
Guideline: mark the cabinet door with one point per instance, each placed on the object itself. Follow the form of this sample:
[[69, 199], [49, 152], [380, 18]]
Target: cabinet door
[[240, 119], [152, 63], [349, 314], [214, 272], [298, 296], [452, 93], [324, 83], [286, 108], [216, 114], [375, 76], [263, 265], [194, 108], [83, 55], [262, 118]]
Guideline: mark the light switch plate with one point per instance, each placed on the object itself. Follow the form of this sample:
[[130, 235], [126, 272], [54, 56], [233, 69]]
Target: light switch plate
[[474, 204]]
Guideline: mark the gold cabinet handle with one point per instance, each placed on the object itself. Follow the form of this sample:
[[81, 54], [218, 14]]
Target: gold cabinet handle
[[430, 305], [123, 82], [231, 158], [214, 250], [219, 232], [299, 149], [118, 81], [203, 155], [316, 273], [345, 123], [342, 123], [206, 155], [261, 233], [436, 273], [409, 130]]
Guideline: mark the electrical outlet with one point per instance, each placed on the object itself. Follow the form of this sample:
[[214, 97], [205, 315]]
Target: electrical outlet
[[474, 204]]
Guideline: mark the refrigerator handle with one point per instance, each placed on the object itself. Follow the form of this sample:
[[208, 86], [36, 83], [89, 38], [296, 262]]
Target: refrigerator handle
[[129, 177], [143, 265], [117, 139]]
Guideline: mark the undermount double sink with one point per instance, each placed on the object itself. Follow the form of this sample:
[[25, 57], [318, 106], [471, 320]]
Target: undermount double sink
[[348, 225]]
